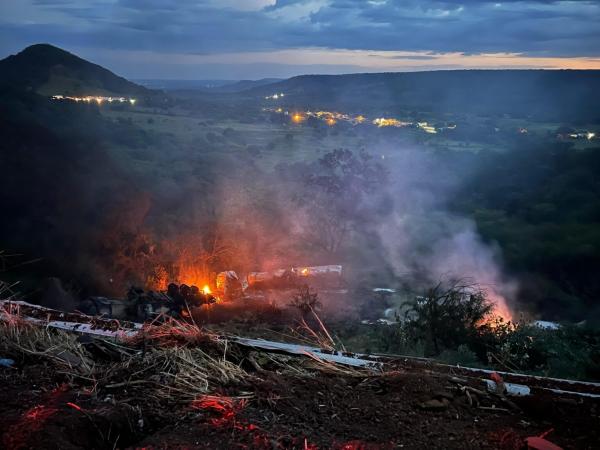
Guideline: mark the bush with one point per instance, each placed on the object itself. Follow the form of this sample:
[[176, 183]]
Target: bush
[[450, 314], [569, 352]]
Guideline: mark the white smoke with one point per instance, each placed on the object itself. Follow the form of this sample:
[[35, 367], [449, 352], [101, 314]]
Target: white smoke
[[424, 242]]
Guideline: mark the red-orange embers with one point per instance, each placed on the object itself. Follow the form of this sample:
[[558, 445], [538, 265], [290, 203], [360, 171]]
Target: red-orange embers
[[74, 406], [226, 407], [32, 420], [360, 445]]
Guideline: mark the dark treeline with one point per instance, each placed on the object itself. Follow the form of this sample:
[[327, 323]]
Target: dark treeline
[[541, 203], [59, 186], [554, 95]]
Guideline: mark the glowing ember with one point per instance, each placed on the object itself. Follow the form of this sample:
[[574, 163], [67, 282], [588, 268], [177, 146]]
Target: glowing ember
[[225, 408], [74, 406]]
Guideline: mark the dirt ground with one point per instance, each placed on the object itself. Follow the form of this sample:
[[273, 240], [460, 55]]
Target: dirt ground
[[409, 408]]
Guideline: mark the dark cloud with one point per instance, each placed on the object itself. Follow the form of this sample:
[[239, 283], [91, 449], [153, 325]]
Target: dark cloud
[[533, 27]]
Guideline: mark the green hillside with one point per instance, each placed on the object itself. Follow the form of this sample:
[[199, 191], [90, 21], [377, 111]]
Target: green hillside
[[547, 94], [49, 70]]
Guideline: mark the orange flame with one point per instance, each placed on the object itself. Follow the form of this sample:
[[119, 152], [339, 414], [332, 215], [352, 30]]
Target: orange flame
[[501, 309]]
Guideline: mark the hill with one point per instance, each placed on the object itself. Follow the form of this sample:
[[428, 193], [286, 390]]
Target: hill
[[49, 70], [215, 86], [244, 85], [545, 94]]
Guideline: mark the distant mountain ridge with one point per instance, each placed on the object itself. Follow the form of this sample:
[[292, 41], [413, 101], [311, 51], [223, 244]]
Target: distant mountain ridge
[[216, 86], [551, 94], [244, 85], [546, 95], [49, 70]]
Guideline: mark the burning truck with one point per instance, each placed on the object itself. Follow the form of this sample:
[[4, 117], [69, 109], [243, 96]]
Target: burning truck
[[179, 300]]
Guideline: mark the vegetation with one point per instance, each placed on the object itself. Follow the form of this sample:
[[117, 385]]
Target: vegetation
[[541, 203], [542, 94], [335, 193], [452, 322], [306, 301], [50, 70], [108, 196], [451, 313]]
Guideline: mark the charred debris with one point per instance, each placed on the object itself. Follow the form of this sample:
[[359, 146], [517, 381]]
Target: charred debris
[[179, 300]]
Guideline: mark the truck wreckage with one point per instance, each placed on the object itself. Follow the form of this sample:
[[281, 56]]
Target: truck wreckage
[[178, 300]]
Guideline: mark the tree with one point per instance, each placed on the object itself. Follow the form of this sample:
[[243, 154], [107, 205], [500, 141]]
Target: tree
[[449, 314], [335, 195]]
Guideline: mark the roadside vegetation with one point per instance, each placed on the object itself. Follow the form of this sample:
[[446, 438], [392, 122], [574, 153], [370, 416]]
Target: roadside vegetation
[[454, 323]]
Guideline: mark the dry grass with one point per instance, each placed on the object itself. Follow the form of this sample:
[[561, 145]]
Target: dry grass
[[169, 332], [178, 361], [22, 340], [7, 291], [172, 361]]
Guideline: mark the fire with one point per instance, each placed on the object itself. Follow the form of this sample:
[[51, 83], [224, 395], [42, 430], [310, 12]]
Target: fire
[[192, 273], [305, 272], [331, 121], [206, 289], [501, 309]]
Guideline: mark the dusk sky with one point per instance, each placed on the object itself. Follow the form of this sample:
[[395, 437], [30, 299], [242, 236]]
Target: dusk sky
[[250, 39]]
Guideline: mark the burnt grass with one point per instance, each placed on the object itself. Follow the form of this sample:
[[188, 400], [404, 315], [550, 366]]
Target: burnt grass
[[40, 407]]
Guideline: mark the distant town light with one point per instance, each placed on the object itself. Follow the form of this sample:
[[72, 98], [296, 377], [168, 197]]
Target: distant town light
[[298, 118], [275, 96], [389, 122], [427, 128], [95, 98]]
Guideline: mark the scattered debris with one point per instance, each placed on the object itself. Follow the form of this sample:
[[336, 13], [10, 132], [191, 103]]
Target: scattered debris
[[7, 362], [174, 384]]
